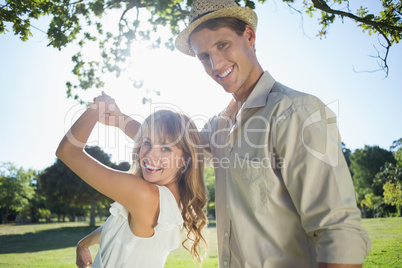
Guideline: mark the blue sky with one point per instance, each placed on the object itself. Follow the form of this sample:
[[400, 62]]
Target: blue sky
[[35, 112]]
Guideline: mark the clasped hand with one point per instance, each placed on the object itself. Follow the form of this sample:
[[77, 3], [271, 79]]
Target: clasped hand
[[109, 112]]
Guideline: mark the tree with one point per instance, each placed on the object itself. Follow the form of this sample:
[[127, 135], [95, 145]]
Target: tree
[[346, 153], [58, 184], [393, 195], [396, 147], [66, 193], [387, 24], [390, 179], [374, 205], [389, 172], [365, 164], [83, 21], [15, 189], [123, 166], [89, 194]]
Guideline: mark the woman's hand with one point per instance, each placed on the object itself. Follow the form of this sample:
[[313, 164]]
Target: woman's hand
[[109, 112], [110, 115], [84, 258]]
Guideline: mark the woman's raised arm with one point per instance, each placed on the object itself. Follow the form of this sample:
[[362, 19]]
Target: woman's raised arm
[[131, 191], [114, 117]]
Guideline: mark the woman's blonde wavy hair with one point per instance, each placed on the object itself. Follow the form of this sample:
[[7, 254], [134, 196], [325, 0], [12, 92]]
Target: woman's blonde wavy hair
[[179, 130]]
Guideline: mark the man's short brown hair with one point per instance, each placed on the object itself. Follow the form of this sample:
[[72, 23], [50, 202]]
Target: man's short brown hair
[[234, 24], [238, 26]]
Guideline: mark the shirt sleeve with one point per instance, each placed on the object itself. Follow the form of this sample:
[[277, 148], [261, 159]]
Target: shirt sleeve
[[318, 180], [205, 137]]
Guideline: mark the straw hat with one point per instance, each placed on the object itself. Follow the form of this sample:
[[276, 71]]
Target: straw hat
[[203, 10]]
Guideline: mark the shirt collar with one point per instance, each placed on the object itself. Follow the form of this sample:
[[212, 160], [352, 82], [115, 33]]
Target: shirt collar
[[259, 96]]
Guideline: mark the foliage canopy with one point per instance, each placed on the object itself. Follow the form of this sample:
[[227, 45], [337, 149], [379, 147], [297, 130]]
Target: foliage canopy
[[16, 189], [84, 22], [66, 193], [366, 163]]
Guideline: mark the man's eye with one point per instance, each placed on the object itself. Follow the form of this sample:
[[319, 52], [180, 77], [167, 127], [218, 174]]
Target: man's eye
[[222, 45], [203, 57]]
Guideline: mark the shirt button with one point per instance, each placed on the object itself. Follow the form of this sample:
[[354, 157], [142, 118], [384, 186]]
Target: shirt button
[[225, 263], [227, 205], [226, 234]]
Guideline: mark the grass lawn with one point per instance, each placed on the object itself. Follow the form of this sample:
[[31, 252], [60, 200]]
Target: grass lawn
[[386, 236], [53, 245]]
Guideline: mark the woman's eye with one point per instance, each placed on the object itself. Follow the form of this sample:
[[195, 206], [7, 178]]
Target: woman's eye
[[146, 143], [166, 149]]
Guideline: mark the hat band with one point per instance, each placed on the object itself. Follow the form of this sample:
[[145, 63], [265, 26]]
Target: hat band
[[200, 16]]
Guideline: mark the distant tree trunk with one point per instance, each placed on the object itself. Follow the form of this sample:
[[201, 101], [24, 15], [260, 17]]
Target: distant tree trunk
[[34, 218], [92, 212], [7, 211], [363, 213], [73, 215]]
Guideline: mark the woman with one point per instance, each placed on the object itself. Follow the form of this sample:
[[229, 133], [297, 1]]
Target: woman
[[163, 190]]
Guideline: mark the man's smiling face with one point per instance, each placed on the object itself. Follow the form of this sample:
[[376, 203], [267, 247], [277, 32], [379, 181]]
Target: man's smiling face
[[227, 58]]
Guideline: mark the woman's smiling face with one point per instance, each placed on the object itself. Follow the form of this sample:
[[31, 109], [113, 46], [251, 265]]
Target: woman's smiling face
[[160, 161]]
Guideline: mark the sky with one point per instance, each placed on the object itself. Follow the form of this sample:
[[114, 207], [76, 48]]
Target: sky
[[35, 112]]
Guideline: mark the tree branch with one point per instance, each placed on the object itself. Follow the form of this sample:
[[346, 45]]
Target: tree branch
[[384, 67], [322, 5], [132, 4], [301, 18], [38, 29], [4, 6], [387, 47], [122, 17], [79, 1]]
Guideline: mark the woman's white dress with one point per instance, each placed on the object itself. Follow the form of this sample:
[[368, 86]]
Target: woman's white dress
[[119, 247]]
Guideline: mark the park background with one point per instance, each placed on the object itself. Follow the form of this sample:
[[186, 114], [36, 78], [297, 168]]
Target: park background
[[337, 69]]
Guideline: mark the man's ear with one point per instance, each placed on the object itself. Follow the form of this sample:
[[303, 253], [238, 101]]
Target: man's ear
[[249, 35]]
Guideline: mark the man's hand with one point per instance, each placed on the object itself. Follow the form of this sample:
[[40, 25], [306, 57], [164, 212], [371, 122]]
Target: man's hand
[[109, 112]]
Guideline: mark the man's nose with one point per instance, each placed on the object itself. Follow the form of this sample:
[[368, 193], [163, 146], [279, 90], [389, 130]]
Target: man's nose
[[216, 60]]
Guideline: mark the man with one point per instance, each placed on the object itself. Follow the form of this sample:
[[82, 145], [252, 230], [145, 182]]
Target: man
[[284, 195]]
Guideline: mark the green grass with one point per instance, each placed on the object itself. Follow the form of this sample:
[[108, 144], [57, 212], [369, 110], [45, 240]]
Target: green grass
[[386, 236], [181, 258], [40, 245], [53, 245]]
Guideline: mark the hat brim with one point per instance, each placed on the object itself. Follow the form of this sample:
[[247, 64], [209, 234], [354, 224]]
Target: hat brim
[[242, 13]]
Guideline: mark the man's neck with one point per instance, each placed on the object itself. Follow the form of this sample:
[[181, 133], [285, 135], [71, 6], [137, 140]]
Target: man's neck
[[240, 100]]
